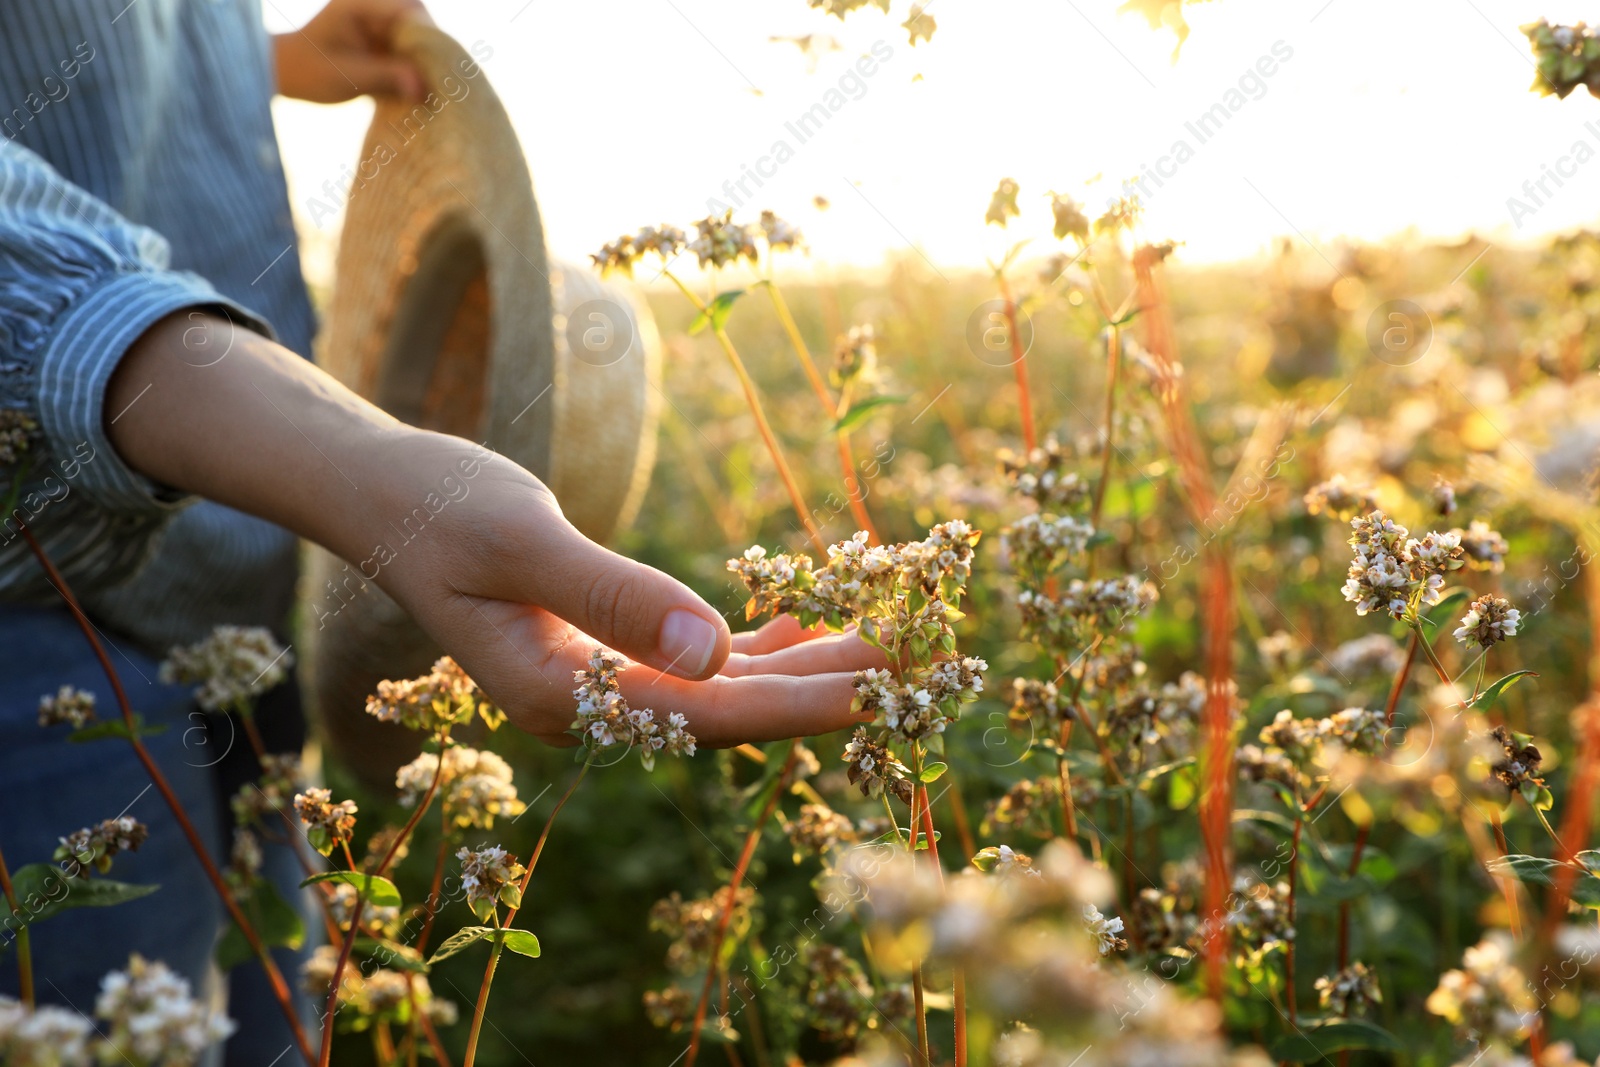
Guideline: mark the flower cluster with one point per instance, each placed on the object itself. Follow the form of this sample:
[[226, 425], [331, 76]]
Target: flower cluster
[[1108, 603], [1374, 655], [17, 429], [692, 924], [151, 1017], [272, 792], [818, 829], [1490, 620], [327, 824], [605, 719], [490, 875], [1568, 56], [874, 769], [1003, 203], [70, 705], [1105, 930], [621, 255], [1395, 572], [838, 997], [1351, 991], [1488, 997], [1069, 219], [231, 666], [475, 785], [855, 355], [376, 920], [1485, 548], [721, 242], [1038, 702], [1044, 477], [780, 235], [913, 711], [95, 846], [1040, 541], [1339, 498], [1519, 759], [442, 698], [44, 1036]]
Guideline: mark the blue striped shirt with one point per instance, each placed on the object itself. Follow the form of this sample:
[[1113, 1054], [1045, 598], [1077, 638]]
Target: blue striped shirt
[[139, 176]]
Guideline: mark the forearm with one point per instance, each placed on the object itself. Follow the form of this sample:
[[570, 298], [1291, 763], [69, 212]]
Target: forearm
[[211, 408]]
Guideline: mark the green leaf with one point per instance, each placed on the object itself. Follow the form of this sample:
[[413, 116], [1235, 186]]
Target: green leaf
[[861, 409], [1147, 777], [1440, 612], [43, 890], [1534, 870], [115, 728], [1338, 1035], [276, 923], [378, 891], [462, 938], [1489, 696], [521, 942], [391, 954], [716, 313], [931, 773]]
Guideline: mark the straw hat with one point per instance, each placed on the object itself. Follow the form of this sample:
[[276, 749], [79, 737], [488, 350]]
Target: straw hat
[[446, 313]]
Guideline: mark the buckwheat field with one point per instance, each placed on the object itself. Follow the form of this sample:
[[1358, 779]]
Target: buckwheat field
[[1239, 697]]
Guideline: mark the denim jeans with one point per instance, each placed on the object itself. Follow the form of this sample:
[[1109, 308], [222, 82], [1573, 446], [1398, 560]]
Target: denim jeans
[[50, 787]]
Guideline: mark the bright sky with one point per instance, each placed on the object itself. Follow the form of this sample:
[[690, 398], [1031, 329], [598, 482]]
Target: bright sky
[[1388, 116]]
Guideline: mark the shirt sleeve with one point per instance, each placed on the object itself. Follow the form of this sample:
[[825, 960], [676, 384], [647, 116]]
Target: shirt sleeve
[[79, 284]]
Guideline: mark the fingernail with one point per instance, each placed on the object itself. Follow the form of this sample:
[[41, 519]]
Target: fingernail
[[686, 642]]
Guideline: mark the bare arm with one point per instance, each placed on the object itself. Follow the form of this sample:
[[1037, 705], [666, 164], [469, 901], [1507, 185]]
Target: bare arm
[[499, 577]]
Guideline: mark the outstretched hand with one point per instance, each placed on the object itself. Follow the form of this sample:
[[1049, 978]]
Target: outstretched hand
[[519, 597], [497, 575]]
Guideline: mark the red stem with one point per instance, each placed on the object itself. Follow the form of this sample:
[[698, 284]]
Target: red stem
[[280, 989], [1019, 363], [739, 869], [326, 1055]]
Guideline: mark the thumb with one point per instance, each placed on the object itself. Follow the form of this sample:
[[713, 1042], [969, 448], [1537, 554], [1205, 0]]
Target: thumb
[[639, 611]]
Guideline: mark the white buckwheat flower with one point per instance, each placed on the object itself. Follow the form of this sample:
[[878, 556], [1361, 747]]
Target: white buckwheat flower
[[72, 706], [152, 1018], [43, 1037], [1490, 620], [232, 666]]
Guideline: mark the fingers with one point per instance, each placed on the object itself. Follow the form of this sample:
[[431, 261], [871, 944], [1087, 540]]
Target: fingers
[[646, 615], [726, 711], [382, 75], [832, 654], [781, 632]]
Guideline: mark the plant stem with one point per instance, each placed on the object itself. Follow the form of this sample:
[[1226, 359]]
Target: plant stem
[[280, 989], [511, 913], [1288, 952], [831, 410], [750, 842], [1069, 814], [1113, 360], [1400, 679], [1433, 657], [1362, 833], [326, 1054], [1019, 362], [918, 996], [24, 937], [754, 401], [959, 978]]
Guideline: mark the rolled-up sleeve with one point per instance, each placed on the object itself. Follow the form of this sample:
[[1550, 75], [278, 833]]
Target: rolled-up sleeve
[[79, 285]]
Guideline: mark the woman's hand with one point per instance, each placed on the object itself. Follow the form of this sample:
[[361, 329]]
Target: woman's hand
[[344, 53], [472, 545]]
